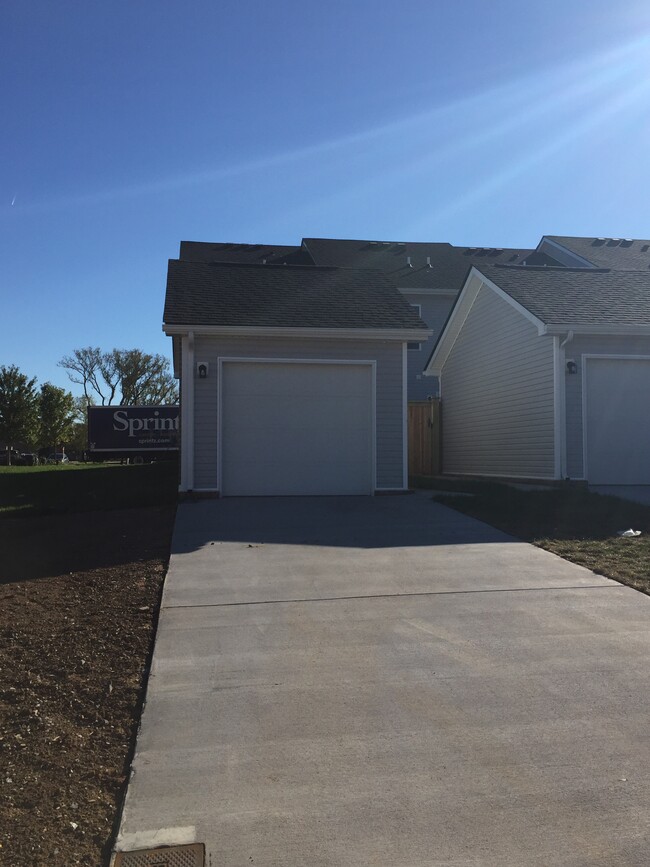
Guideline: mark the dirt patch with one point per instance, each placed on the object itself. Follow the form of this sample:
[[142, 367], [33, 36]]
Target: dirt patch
[[78, 607]]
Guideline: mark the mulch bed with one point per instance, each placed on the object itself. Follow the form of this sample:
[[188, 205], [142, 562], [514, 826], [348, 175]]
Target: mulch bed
[[79, 598]]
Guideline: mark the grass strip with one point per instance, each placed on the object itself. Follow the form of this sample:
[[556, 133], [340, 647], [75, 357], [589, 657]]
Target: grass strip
[[30, 491]]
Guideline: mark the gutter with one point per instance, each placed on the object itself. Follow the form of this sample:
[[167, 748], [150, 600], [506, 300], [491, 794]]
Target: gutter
[[399, 334]]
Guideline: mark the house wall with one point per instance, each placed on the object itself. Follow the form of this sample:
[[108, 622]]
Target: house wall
[[389, 409], [589, 345], [498, 396], [435, 310]]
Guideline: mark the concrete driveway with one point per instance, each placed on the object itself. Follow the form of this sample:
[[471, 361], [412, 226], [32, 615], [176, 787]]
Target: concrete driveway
[[383, 681]]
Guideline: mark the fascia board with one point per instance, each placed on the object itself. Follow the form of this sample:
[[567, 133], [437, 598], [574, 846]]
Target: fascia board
[[555, 246], [614, 330], [450, 332], [400, 334], [305, 246], [410, 290]]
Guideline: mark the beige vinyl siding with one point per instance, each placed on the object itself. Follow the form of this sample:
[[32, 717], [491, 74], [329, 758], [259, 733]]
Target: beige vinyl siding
[[387, 354], [497, 395], [591, 344]]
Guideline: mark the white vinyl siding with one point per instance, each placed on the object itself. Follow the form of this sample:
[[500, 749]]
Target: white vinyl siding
[[589, 345], [498, 395], [388, 357]]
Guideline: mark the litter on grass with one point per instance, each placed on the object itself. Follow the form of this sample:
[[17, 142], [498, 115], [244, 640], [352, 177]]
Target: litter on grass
[[629, 532]]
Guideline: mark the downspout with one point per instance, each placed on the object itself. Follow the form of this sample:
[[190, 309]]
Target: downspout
[[567, 339], [187, 413]]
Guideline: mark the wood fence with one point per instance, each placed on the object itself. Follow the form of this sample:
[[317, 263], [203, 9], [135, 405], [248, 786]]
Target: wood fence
[[424, 438]]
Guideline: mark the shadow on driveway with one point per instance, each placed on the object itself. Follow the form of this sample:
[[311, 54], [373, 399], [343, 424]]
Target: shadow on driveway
[[341, 522]]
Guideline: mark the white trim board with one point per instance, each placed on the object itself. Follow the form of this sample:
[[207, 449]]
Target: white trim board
[[582, 262], [559, 425], [405, 432], [187, 413], [599, 330], [399, 334], [443, 293]]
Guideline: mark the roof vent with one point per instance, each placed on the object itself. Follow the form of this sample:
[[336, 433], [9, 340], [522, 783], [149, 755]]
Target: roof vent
[[429, 265], [408, 262], [626, 242], [598, 242], [645, 248]]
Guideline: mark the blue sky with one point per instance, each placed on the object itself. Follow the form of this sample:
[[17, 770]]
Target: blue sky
[[129, 125]]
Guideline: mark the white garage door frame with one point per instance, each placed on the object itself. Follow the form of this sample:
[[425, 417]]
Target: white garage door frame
[[312, 361], [586, 357]]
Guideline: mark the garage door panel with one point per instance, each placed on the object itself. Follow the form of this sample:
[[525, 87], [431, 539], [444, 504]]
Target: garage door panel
[[292, 479], [298, 428], [272, 405], [618, 421], [302, 444], [262, 379]]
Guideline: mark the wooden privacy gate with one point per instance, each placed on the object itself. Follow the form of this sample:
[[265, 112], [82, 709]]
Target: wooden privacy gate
[[424, 438]]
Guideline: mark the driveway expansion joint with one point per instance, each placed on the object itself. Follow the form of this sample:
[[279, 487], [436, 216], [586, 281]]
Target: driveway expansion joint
[[612, 586]]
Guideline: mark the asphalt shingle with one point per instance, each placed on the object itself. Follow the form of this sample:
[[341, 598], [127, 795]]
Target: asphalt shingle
[[567, 296], [223, 294], [616, 253], [412, 265], [253, 254]]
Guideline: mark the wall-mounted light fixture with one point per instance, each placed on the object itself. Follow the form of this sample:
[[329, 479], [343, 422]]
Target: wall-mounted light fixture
[[202, 369], [571, 366]]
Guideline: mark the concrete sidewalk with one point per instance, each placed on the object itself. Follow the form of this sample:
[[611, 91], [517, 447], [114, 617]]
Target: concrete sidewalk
[[383, 681]]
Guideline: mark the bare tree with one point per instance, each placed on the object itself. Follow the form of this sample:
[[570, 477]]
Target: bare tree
[[86, 367], [130, 376]]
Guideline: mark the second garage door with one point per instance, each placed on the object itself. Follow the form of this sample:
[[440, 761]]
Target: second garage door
[[296, 428], [617, 421]]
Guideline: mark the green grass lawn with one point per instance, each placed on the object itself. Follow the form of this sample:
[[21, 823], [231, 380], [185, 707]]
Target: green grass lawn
[[86, 487], [568, 521]]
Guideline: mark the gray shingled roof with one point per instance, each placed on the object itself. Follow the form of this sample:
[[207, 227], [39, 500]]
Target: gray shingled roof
[[253, 254], [283, 296], [615, 253], [568, 296], [448, 265]]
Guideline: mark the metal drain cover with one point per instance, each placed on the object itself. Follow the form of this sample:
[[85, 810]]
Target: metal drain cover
[[166, 856]]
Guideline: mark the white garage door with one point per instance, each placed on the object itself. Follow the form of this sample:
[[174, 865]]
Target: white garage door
[[296, 428], [618, 421]]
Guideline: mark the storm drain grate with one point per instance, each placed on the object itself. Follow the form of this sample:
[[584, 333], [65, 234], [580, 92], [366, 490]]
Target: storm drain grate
[[167, 856]]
